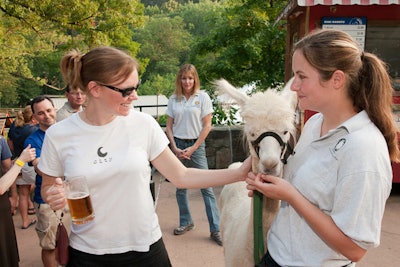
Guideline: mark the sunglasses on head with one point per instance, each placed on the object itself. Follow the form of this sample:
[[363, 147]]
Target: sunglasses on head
[[124, 92]]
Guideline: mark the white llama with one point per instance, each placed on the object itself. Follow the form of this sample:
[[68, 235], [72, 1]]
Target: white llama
[[268, 117]]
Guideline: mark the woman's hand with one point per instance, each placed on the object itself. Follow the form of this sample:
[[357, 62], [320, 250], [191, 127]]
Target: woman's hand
[[245, 168], [270, 186], [28, 154], [181, 154], [56, 197], [187, 152]]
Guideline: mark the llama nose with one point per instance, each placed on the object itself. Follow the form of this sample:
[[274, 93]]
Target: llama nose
[[269, 166]]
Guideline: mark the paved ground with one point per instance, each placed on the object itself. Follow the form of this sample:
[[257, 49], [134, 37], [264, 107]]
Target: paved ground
[[195, 249]]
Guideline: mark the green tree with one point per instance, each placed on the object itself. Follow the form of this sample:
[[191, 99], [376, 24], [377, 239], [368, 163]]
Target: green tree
[[159, 85], [200, 17], [164, 44], [169, 35], [244, 46], [32, 32]]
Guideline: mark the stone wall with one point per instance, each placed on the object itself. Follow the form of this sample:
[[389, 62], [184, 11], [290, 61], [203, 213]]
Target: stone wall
[[224, 145]]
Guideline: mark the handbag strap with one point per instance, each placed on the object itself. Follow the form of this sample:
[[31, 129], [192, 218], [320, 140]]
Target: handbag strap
[[59, 218]]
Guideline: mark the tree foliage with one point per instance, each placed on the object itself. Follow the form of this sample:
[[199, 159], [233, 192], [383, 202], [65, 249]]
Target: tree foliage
[[164, 42], [168, 37], [233, 39], [164, 84], [244, 47], [35, 34]]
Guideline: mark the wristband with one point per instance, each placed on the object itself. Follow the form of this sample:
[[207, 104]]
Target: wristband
[[20, 162]]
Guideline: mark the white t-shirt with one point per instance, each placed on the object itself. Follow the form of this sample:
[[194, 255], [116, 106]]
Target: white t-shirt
[[115, 160], [347, 174], [188, 114]]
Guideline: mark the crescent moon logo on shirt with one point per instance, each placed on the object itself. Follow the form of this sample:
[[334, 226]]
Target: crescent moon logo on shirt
[[101, 154]]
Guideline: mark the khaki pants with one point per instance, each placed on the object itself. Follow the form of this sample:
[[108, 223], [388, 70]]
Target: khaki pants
[[46, 226]]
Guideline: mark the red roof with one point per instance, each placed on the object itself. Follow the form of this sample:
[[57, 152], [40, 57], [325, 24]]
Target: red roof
[[347, 2]]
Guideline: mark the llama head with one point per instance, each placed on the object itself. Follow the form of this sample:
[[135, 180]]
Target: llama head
[[269, 122]]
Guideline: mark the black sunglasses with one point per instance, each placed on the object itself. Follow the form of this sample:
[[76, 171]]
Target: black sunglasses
[[124, 92]]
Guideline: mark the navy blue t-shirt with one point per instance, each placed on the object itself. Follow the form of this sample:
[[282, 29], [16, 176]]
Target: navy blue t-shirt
[[36, 139], [18, 135]]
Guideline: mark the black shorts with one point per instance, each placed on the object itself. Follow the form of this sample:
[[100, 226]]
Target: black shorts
[[267, 260], [157, 256]]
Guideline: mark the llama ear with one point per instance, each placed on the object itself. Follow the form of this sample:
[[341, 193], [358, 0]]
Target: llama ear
[[289, 94], [224, 87]]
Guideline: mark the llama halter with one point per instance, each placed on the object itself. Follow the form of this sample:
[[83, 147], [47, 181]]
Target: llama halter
[[286, 148]]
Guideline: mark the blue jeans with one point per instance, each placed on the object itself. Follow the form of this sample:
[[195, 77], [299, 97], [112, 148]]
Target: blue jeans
[[197, 160]]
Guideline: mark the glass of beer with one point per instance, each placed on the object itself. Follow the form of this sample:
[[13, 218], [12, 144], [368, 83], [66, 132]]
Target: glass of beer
[[79, 202]]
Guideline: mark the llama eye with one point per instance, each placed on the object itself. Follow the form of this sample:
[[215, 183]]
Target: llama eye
[[285, 132]]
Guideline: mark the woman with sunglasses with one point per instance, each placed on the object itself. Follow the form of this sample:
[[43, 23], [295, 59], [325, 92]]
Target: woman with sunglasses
[[113, 145]]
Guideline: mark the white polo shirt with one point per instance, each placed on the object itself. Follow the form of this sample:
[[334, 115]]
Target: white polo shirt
[[188, 114]]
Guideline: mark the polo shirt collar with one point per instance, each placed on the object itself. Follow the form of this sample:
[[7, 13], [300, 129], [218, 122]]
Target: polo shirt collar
[[356, 122], [353, 124]]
